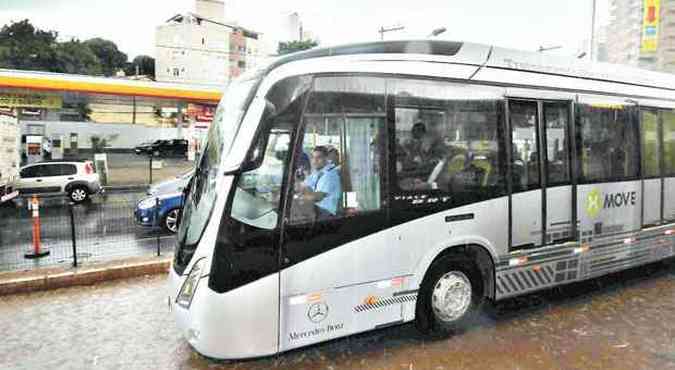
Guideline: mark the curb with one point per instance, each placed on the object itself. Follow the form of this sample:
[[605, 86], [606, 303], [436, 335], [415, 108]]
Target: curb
[[33, 281]]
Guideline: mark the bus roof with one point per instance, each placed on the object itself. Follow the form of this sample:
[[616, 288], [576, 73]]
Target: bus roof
[[34, 80], [489, 56]]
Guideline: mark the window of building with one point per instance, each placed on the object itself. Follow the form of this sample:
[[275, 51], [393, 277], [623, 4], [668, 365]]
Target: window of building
[[449, 145], [339, 171], [608, 143], [241, 64]]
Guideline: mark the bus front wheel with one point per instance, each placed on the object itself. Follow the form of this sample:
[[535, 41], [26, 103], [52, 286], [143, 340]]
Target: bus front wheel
[[450, 298]]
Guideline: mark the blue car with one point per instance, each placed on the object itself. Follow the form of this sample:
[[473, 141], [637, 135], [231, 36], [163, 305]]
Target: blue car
[[167, 207]]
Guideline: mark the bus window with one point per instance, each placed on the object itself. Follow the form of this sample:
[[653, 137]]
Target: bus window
[[608, 143], [669, 143], [448, 142], [669, 165], [650, 143], [341, 136], [556, 120], [524, 138]]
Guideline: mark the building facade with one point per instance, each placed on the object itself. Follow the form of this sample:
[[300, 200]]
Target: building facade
[[626, 34], [201, 48]]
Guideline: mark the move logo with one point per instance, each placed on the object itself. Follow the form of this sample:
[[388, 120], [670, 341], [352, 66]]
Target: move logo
[[595, 202]]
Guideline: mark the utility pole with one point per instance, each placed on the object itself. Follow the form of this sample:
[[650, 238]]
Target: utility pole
[[382, 30]]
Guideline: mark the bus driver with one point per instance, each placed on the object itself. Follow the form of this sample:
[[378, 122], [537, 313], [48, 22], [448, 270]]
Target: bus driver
[[322, 187]]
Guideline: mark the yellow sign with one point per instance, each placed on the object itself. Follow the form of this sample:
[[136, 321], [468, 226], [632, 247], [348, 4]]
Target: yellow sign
[[30, 100], [650, 26]]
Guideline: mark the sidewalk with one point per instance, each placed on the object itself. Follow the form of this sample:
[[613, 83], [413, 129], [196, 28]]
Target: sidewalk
[[52, 278]]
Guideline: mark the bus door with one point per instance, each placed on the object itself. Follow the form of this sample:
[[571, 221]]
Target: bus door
[[541, 190], [609, 195], [333, 250]]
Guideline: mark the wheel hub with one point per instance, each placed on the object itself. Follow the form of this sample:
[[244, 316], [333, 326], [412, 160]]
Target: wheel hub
[[172, 221], [451, 296], [78, 195]]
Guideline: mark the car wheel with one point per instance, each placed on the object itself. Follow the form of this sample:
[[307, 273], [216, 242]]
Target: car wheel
[[78, 194], [171, 220], [450, 297]]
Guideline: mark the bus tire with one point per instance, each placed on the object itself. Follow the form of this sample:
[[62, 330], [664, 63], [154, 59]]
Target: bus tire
[[450, 297]]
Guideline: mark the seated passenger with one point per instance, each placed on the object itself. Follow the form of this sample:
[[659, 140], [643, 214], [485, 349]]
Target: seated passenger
[[407, 180], [423, 151], [323, 186]]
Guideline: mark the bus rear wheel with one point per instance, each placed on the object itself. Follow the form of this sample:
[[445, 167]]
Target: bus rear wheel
[[450, 298]]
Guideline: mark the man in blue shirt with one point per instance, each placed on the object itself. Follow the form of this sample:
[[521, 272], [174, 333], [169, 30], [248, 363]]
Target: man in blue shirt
[[323, 187]]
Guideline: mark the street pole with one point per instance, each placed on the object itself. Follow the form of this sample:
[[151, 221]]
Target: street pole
[[382, 30], [590, 54], [72, 232]]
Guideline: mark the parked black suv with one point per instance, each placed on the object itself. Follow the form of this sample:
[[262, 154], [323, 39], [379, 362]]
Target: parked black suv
[[163, 148]]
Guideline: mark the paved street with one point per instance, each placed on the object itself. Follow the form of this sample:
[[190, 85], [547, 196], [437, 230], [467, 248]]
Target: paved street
[[623, 321], [104, 228]]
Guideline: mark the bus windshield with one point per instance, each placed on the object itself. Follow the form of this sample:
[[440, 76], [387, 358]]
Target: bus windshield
[[202, 193]]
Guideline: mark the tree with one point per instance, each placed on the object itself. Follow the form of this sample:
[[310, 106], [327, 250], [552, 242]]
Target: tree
[[145, 64], [293, 46], [109, 56], [74, 57], [22, 46]]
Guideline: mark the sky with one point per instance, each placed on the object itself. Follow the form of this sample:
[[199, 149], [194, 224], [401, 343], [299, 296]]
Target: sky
[[519, 24]]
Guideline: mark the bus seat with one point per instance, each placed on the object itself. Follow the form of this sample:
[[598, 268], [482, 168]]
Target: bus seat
[[456, 164], [484, 164]]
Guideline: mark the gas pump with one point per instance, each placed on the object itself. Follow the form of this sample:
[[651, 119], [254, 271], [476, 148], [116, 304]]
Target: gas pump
[[33, 148]]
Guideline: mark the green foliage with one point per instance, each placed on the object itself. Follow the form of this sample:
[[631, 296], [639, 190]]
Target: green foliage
[[145, 64], [74, 57], [109, 56], [84, 111], [23, 46], [293, 46], [99, 143]]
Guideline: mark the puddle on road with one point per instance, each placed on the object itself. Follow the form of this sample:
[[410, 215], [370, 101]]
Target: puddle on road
[[601, 324]]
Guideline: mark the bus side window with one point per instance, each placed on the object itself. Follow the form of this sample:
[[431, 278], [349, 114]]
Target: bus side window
[[608, 144], [448, 141], [342, 134]]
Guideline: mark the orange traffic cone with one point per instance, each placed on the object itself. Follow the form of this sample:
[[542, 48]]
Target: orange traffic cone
[[37, 250]]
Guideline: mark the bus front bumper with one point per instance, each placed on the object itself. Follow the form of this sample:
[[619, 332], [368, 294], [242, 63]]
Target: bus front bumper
[[236, 325]]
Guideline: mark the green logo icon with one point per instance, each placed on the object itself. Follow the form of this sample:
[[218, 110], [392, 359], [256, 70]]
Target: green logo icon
[[593, 203]]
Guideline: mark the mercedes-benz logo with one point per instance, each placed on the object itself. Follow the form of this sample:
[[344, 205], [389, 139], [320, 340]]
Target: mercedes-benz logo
[[317, 312]]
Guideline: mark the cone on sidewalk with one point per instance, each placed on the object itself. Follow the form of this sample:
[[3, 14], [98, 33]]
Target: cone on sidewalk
[[37, 250]]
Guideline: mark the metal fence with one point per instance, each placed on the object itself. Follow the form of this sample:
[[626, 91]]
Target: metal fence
[[101, 229]]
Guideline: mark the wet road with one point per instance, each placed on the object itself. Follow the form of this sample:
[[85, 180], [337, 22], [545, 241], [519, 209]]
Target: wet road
[[624, 321], [104, 227]]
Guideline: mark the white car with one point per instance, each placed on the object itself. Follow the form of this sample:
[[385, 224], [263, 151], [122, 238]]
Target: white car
[[77, 179]]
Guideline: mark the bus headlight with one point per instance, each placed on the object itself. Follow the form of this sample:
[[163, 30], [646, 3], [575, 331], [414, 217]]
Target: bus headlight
[[190, 285]]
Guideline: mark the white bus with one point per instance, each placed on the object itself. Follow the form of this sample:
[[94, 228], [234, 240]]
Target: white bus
[[444, 175]]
